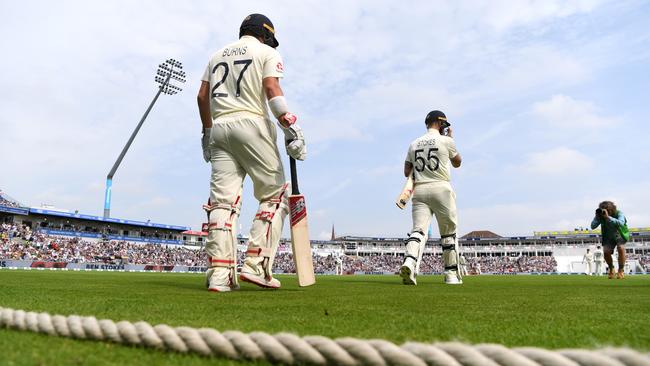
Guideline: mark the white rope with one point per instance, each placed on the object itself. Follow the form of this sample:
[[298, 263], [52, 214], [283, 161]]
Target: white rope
[[289, 349]]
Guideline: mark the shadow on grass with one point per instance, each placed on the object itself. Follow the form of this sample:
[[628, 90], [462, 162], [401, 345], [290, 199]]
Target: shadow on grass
[[199, 286]]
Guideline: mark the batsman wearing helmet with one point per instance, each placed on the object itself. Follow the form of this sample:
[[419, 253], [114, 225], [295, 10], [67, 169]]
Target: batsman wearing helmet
[[238, 140], [428, 161]]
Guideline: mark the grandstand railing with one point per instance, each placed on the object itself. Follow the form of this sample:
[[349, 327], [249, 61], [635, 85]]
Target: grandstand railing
[[16, 210]]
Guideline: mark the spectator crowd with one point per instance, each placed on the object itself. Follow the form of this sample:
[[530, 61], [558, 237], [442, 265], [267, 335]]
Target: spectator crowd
[[505, 264], [7, 203], [644, 260], [20, 243]]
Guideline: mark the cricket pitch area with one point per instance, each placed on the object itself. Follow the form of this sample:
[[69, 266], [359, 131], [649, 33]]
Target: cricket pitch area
[[549, 311]]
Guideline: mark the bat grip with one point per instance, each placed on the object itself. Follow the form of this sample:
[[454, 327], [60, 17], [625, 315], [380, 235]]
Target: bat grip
[[294, 176]]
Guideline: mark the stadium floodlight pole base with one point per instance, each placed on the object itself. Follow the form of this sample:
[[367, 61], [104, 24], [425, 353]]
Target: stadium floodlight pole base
[[107, 198], [290, 349]]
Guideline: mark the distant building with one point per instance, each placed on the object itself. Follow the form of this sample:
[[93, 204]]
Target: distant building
[[481, 234], [60, 222]]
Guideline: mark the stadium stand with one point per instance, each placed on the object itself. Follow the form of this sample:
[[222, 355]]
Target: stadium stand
[[51, 221], [45, 237], [9, 206], [7, 201], [21, 244]]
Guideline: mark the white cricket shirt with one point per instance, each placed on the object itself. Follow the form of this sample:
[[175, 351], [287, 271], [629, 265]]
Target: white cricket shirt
[[235, 74], [430, 156]]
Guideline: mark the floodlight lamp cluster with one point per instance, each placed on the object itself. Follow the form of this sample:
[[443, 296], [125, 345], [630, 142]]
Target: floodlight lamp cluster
[[168, 72]]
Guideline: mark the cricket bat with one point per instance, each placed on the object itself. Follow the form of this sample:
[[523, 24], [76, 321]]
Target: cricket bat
[[299, 232], [405, 196]]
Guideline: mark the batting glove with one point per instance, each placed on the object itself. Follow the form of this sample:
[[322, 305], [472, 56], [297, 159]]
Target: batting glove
[[205, 144], [294, 139]]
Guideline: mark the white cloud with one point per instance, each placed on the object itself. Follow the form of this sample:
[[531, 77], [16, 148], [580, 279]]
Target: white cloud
[[564, 112], [331, 192], [81, 75], [558, 161], [545, 213], [489, 132], [327, 130], [324, 235], [382, 75], [505, 14], [383, 171], [526, 217]]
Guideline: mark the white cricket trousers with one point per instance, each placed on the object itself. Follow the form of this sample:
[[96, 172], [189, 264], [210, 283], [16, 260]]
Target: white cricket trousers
[[599, 268], [435, 198], [245, 144]]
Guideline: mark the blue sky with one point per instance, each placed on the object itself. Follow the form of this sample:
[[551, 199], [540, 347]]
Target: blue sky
[[548, 101]]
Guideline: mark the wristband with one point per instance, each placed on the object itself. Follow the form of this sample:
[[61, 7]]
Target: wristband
[[278, 106]]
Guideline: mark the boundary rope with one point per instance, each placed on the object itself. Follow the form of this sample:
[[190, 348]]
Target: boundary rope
[[289, 349]]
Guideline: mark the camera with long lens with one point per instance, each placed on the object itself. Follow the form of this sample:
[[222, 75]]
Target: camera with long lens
[[601, 212]]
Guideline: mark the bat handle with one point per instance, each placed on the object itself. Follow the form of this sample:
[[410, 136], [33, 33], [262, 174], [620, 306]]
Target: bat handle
[[294, 176]]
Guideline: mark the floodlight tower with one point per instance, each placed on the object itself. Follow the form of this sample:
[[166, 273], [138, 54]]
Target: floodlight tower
[[168, 72]]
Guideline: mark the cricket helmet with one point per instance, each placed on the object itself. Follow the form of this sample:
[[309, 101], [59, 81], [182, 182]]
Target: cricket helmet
[[437, 116], [259, 25]]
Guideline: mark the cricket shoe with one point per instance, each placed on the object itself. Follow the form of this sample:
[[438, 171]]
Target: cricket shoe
[[258, 280], [253, 272], [407, 272], [223, 288], [620, 275], [216, 284], [451, 278], [217, 288], [611, 275]]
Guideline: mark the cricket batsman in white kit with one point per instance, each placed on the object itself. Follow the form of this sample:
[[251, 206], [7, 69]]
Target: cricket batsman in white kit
[[463, 265], [589, 259], [599, 259], [428, 161], [239, 139]]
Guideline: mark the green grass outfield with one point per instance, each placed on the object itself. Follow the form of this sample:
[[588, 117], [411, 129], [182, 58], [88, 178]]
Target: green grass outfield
[[543, 311]]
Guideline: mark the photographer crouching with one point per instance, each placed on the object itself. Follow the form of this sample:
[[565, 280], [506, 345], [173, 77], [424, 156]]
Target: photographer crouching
[[614, 234]]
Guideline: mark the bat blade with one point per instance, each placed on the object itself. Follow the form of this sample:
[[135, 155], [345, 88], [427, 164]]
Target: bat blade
[[300, 245], [405, 196]]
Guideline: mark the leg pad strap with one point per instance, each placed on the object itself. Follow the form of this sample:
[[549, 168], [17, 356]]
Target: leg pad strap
[[223, 206], [221, 262], [227, 226], [259, 252], [415, 247], [450, 254], [412, 238], [266, 216]]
